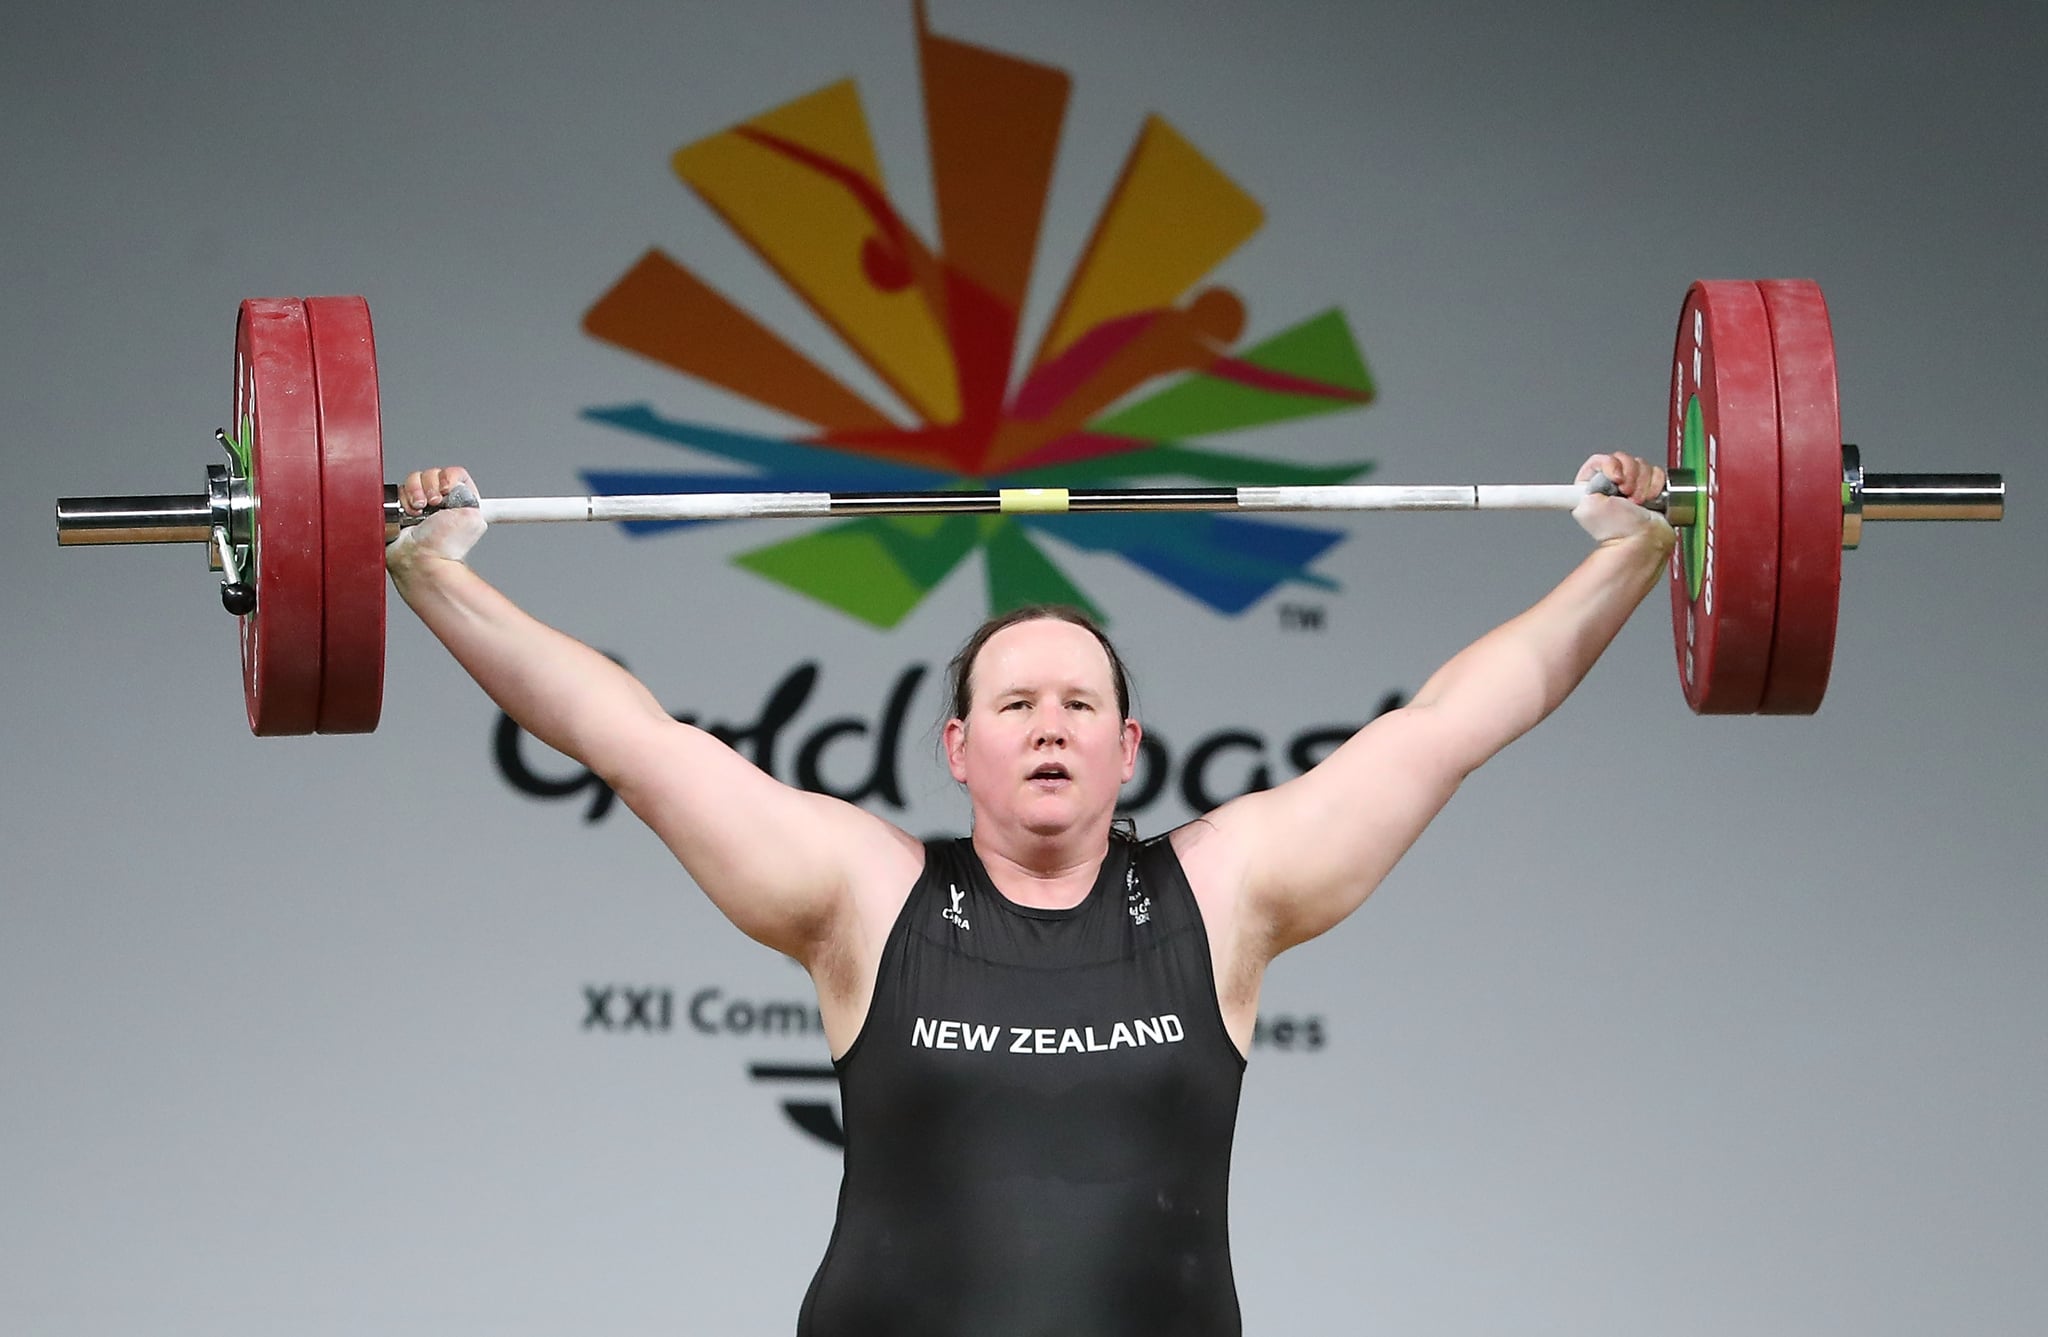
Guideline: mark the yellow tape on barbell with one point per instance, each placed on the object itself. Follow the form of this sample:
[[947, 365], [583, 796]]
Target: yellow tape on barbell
[[1012, 500]]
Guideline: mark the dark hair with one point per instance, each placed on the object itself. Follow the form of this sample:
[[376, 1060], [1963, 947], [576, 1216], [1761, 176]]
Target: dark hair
[[960, 672]]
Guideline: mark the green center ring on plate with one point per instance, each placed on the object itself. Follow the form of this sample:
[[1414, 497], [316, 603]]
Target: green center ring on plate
[[1692, 538]]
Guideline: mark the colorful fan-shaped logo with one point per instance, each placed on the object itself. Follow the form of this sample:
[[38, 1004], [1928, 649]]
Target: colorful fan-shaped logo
[[939, 326]]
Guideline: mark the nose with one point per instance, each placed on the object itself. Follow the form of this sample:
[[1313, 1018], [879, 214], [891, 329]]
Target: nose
[[1052, 730]]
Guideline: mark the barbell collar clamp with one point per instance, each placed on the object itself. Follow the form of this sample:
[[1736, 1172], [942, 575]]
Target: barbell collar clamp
[[1852, 496], [224, 559]]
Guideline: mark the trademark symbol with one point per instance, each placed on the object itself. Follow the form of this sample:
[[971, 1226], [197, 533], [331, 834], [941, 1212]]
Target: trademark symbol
[[1301, 617]]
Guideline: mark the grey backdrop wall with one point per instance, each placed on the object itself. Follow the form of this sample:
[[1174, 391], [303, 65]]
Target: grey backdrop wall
[[1672, 1025]]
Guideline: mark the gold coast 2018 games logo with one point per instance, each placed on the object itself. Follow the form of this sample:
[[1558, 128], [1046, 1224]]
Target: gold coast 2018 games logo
[[1139, 356]]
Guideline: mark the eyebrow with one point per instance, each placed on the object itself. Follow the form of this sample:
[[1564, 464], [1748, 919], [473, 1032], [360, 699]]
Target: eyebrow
[[1069, 691]]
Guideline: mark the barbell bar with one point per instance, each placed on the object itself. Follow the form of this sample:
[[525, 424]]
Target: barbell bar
[[194, 517], [1763, 492]]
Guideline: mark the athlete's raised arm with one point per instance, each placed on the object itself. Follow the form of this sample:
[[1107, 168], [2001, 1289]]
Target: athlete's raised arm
[[779, 862], [1282, 866]]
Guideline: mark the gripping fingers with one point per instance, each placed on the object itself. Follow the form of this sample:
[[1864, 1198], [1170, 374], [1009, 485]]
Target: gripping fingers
[[1637, 479], [427, 488], [1619, 512], [454, 516]]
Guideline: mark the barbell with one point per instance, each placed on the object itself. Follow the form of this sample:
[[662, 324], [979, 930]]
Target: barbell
[[1763, 493]]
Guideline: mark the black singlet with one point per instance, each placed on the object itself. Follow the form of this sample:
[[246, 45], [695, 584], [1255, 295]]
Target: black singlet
[[1038, 1114]]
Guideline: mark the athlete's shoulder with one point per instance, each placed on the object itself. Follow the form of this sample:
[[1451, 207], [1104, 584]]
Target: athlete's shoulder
[[948, 856]]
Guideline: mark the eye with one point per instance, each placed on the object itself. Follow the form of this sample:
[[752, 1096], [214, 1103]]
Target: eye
[[1079, 705]]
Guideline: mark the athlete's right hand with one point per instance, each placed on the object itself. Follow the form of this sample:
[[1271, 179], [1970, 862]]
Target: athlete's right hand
[[449, 532]]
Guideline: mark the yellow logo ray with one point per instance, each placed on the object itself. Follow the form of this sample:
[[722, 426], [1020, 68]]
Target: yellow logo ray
[[1171, 219], [801, 185]]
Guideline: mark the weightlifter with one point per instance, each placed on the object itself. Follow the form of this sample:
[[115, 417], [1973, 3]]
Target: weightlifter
[[1040, 1030]]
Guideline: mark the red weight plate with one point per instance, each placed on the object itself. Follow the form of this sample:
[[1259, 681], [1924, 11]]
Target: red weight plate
[[1810, 497], [1724, 424], [275, 420], [351, 513]]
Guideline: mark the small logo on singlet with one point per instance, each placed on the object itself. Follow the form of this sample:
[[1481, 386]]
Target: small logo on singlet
[[953, 912], [1135, 900]]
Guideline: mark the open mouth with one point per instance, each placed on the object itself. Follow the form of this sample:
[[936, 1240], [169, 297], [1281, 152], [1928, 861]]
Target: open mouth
[[1051, 771]]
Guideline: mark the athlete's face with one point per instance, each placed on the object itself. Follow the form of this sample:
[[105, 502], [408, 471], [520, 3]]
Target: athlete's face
[[1043, 746]]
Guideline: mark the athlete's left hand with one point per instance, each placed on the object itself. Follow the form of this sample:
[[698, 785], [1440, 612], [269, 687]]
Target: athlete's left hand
[[1623, 515]]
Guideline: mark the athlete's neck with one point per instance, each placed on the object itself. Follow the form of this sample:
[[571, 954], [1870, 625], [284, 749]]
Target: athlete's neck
[[1044, 873]]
